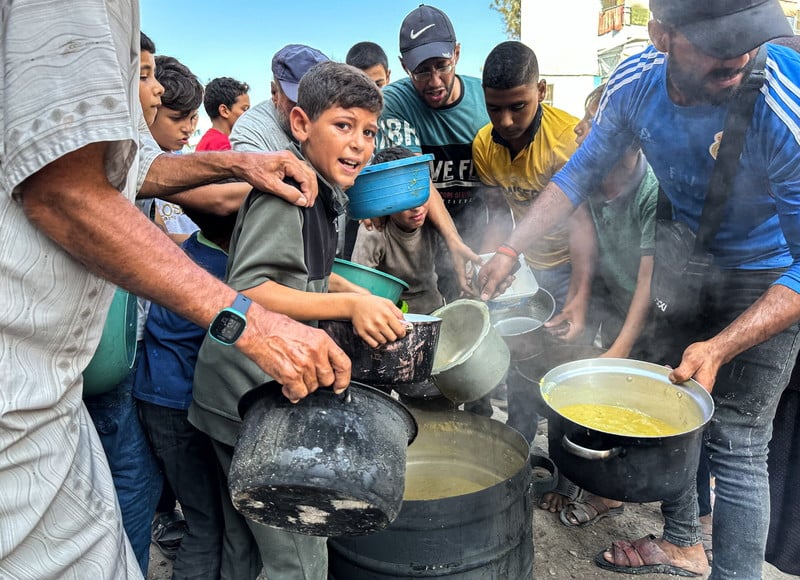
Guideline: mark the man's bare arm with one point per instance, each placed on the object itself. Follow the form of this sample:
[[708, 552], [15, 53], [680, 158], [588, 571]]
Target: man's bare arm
[[171, 174], [550, 208], [773, 312], [73, 203]]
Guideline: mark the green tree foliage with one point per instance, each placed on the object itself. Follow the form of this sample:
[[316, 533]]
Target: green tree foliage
[[510, 10]]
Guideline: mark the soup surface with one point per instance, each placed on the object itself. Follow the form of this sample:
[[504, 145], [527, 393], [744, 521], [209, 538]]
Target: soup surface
[[618, 420], [427, 481]]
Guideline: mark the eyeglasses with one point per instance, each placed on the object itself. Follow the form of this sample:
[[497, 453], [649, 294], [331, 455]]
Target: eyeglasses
[[426, 75]]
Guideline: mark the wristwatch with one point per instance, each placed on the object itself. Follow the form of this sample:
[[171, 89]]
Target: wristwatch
[[229, 324]]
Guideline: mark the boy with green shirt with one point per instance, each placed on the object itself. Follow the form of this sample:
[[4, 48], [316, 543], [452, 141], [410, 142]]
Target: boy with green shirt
[[281, 257]]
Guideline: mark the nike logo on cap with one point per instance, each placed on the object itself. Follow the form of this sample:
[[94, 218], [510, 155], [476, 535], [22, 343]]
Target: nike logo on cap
[[415, 35]]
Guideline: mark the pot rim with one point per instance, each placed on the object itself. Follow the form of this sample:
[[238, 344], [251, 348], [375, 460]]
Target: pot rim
[[487, 326], [634, 367]]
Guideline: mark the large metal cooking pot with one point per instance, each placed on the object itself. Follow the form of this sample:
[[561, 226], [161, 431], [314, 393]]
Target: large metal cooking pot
[[467, 509], [406, 360], [471, 358], [553, 354], [622, 467], [522, 325], [330, 465]]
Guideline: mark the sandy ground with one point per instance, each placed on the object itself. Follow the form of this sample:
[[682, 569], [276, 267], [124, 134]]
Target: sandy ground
[[560, 553]]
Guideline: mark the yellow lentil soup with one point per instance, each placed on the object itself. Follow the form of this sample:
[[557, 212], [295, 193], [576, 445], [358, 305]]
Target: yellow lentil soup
[[617, 420]]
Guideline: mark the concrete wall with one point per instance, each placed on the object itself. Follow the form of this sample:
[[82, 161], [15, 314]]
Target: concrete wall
[[563, 33]]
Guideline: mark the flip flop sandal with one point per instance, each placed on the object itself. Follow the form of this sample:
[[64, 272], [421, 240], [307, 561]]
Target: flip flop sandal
[[587, 511], [564, 487], [642, 556]]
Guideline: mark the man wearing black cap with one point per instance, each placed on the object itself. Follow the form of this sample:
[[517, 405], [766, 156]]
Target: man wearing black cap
[[674, 97], [436, 111]]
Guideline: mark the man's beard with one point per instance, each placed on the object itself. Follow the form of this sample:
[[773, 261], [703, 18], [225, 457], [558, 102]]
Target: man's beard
[[695, 90]]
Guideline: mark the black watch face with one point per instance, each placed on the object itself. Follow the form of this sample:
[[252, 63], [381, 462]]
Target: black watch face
[[227, 327]]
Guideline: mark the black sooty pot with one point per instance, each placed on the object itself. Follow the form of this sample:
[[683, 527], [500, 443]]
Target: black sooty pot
[[330, 465], [406, 360], [623, 467], [467, 507]]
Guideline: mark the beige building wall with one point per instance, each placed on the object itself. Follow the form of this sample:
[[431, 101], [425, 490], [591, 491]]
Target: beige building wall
[[563, 34]]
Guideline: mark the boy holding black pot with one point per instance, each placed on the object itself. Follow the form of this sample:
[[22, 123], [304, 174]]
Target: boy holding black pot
[[281, 257]]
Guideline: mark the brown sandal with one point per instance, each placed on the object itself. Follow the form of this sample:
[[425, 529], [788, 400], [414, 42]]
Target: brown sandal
[[643, 556], [586, 511]]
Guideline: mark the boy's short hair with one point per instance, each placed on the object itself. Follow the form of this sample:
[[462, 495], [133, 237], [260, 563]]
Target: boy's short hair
[[330, 84], [391, 154], [182, 90], [365, 55], [510, 64], [217, 228], [146, 44], [222, 91]]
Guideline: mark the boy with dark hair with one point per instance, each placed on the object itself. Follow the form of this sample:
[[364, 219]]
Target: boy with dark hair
[[370, 58], [516, 153], [404, 248], [150, 90], [335, 122], [183, 95], [225, 100], [174, 123], [163, 389]]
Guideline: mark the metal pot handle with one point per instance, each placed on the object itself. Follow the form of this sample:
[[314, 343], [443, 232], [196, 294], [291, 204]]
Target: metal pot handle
[[542, 483], [591, 454]]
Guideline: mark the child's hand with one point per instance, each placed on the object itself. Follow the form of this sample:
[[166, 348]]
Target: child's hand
[[377, 321]]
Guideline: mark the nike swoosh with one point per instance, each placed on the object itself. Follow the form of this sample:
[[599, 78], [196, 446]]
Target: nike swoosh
[[415, 35]]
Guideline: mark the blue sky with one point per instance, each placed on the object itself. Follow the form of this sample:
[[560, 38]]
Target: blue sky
[[238, 38]]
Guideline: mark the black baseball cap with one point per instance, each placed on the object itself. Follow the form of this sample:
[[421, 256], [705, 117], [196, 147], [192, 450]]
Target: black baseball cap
[[426, 33], [724, 28]]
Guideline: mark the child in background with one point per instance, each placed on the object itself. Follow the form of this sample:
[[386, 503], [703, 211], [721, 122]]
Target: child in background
[[174, 123], [281, 257], [623, 210], [404, 248], [163, 389], [370, 58], [225, 100]]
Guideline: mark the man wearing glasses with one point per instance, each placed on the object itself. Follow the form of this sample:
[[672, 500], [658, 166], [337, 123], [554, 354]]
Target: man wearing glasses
[[436, 111]]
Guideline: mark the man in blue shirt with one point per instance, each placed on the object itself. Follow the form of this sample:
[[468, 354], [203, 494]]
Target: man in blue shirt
[[674, 98]]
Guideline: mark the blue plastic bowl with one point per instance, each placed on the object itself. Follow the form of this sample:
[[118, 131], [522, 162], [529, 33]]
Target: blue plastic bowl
[[386, 188]]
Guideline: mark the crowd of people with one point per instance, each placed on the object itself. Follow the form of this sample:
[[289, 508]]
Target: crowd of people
[[230, 250]]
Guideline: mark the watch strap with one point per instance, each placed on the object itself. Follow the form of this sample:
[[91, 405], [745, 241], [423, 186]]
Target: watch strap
[[241, 304]]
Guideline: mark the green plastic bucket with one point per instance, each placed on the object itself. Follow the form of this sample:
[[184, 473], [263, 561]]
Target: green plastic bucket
[[377, 282], [116, 352]]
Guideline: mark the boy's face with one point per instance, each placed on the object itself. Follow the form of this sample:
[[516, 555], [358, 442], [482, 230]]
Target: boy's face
[[172, 128], [150, 90], [584, 126], [411, 219], [239, 108], [339, 143], [511, 111], [378, 74]]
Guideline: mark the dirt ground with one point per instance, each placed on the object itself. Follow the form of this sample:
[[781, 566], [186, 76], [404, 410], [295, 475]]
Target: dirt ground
[[560, 553]]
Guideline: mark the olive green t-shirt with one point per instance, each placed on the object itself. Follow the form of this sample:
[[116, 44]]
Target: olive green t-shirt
[[273, 241]]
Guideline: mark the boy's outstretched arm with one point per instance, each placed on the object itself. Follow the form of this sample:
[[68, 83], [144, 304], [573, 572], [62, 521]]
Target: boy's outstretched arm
[[376, 320]]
